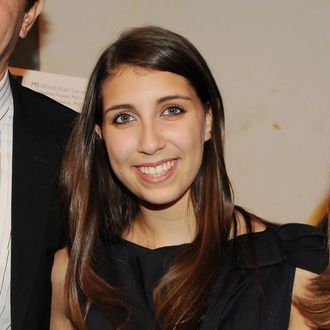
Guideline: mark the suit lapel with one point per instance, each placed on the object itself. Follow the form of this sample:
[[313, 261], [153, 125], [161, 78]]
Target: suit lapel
[[32, 167]]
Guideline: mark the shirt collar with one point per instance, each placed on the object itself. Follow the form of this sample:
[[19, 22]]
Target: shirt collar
[[5, 95]]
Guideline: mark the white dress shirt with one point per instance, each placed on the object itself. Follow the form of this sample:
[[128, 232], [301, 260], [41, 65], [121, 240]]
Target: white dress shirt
[[6, 146]]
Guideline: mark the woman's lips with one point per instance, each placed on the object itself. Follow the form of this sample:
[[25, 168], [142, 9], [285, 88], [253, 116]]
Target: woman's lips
[[156, 172]]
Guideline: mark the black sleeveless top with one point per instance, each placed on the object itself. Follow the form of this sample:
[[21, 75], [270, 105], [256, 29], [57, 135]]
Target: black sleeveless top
[[235, 302]]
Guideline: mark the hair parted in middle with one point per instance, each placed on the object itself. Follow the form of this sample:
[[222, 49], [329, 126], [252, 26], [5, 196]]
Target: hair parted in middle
[[99, 208]]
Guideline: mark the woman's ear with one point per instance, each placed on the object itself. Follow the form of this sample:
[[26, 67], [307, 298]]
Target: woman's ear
[[98, 131], [208, 125], [30, 17]]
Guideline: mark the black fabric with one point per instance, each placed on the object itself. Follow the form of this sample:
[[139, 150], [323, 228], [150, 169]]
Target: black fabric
[[40, 130], [241, 297]]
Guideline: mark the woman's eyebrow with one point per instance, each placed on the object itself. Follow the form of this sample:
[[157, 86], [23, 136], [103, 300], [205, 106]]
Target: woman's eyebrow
[[173, 97], [120, 106]]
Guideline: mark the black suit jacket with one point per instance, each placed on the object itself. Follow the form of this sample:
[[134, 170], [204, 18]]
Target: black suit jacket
[[40, 131]]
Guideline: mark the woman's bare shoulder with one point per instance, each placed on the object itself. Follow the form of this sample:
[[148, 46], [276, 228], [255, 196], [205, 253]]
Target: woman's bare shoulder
[[256, 224], [59, 320], [60, 265]]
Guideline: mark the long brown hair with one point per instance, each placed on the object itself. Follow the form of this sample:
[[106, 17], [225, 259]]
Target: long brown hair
[[29, 4], [98, 208], [315, 306]]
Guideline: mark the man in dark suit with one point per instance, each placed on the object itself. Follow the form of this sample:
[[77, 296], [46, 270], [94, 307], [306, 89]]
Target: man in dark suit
[[33, 133]]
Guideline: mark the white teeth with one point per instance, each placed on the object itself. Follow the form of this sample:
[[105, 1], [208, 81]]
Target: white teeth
[[158, 170]]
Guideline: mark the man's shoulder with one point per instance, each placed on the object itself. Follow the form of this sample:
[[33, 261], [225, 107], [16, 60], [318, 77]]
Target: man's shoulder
[[40, 104]]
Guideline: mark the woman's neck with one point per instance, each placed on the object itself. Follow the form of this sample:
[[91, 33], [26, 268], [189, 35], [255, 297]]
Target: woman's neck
[[172, 225]]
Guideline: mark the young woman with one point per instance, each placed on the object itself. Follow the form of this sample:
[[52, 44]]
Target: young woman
[[154, 238]]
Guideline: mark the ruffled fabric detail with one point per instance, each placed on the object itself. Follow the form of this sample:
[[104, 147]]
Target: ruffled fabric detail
[[300, 245], [235, 300]]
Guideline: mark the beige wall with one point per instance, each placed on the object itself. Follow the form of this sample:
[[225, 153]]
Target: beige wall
[[271, 59]]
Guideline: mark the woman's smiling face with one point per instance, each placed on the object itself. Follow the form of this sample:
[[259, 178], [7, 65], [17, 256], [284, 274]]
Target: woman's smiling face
[[154, 128]]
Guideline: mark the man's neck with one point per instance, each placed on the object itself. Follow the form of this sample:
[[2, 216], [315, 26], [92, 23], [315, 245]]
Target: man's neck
[[3, 70], [3, 78]]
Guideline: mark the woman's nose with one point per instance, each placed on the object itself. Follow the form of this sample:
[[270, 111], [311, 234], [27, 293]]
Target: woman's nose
[[151, 139]]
